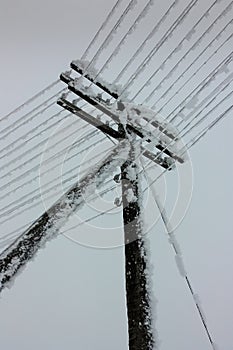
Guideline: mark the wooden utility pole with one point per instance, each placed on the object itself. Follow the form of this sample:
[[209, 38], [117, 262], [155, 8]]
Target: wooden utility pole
[[139, 310], [138, 300]]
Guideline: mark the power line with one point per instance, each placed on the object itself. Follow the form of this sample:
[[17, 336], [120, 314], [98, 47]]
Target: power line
[[47, 170], [50, 159], [109, 16], [200, 87], [186, 37], [17, 124], [169, 74], [5, 212], [179, 260], [31, 99], [113, 30], [150, 35], [164, 38], [12, 161], [47, 198], [53, 84], [130, 31]]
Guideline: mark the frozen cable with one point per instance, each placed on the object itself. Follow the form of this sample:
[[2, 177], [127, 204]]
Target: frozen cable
[[176, 49], [110, 14], [150, 35], [46, 171], [30, 100], [25, 200], [165, 37], [180, 262], [50, 159], [169, 74], [130, 31], [17, 124], [114, 29]]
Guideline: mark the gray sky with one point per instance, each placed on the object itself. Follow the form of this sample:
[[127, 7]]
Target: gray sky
[[73, 296]]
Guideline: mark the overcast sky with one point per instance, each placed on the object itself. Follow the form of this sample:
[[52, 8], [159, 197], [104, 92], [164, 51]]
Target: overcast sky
[[72, 296]]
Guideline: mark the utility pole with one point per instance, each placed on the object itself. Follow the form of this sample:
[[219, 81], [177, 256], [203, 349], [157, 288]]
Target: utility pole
[[138, 299], [132, 138], [139, 310]]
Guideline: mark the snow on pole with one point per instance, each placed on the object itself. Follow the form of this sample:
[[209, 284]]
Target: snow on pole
[[23, 249], [139, 299]]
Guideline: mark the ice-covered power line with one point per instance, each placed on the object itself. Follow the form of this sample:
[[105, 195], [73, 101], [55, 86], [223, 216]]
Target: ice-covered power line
[[30, 100], [219, 69], [188, 36], [140, 69], [102, 27], [35, 198], [189, 127], [56, 82], [27, 140], [23, 120], [142, 15], [28, 161], [25, 136], [192, 76], [203, 132], [149, 36], [180, 262], [113, 31], [195, 59], [193, 142], [50, 159], [50, 169], [61, 179]]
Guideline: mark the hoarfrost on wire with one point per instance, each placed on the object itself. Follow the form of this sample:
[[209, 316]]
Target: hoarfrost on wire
[[59, 213]]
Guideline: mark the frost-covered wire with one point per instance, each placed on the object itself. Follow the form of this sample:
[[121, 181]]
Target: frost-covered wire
[[45, 172], [28, 161], [179, 261], [200, 87], [193, 142], [18, 123], [91, 218], [39, 134], [109, 16], [187, 126], [111, 33], [194, 74], [32, 149], [141, 15], [49, 160], [169, 74], [30, 100], [4, 211], [188, 36], [140, 69], [9, 237], [24, 136], [149, 36], [203, 132], [14, 233], [9, 218], [27, 140], [184, 150]]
